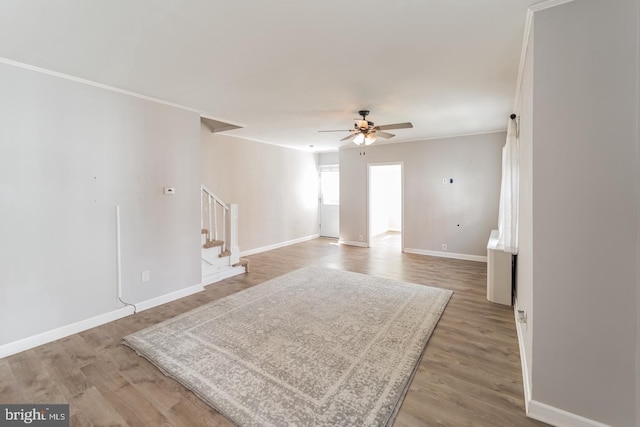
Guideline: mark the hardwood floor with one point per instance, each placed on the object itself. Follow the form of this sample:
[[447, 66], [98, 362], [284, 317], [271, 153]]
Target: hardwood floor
[[470, 373], [390, 239]]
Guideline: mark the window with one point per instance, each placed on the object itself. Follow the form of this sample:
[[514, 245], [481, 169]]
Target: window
[[330, 186]]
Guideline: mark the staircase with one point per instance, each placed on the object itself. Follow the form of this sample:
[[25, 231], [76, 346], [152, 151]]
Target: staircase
[[220, 252]]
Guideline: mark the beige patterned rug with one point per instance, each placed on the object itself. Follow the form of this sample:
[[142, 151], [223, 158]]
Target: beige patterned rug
[[314, 347]]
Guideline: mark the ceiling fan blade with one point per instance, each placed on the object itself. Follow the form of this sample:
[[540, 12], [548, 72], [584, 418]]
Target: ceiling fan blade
[[353, 135], [395, 126], [341, 130], [385, 135]]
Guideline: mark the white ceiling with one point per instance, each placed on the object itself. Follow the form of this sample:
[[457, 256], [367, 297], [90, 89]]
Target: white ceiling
[[284, 69]]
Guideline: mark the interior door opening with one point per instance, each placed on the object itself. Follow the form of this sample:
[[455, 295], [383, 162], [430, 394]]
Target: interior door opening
[[385, 206], [329, 201]]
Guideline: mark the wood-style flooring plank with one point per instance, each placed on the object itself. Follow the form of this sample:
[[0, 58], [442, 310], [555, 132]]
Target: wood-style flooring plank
[[10, 389], [470, 373]]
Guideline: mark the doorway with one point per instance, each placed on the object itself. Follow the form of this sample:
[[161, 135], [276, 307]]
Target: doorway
[[329, 201], [385, 205]]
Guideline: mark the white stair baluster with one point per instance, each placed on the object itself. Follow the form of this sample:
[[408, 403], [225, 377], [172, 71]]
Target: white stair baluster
[[215, 220], [224, 229], [233, 241], [209, 214]]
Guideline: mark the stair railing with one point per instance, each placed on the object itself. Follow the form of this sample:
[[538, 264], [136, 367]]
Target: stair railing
[[211, 204]]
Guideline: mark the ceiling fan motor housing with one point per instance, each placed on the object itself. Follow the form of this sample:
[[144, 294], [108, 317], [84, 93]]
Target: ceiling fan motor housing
[[363, 124]]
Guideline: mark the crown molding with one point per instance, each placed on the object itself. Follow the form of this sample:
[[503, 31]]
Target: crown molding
[[92, 83], [547, 4]]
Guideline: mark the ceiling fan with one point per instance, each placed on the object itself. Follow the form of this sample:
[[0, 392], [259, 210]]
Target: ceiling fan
[[366, 132]]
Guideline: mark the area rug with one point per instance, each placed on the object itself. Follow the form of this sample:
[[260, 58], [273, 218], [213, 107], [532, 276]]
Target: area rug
[[314, 347]]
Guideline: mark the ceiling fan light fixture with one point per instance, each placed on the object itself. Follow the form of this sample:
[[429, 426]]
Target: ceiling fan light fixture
[[359, 139], [369, 139]]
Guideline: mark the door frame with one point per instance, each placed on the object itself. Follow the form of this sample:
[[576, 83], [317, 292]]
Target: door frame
[[321, 199], [369, 167]]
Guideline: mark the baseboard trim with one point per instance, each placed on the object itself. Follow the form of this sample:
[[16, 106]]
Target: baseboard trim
[[220, 275], [538, 410], [349, 243], [446, 255], [63, 331], [279, 245], [557, 417], [172, 296], [82, 325]]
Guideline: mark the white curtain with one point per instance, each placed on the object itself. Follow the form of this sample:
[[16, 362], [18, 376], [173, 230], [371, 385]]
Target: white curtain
[[508, 211]]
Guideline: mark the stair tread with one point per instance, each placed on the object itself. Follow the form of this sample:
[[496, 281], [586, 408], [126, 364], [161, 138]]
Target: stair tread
[[242, 263], [213, 244]]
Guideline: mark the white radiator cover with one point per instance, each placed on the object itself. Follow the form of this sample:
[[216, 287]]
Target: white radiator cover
[[498, 272]]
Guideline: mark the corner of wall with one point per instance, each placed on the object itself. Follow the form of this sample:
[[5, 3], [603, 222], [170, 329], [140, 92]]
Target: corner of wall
[[520, 331], [637, 213]]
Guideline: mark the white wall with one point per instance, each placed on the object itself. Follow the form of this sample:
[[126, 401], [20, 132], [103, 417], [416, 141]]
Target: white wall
[[69, 153], [583, 239], [461, 214], [276, 188], [329, 158]]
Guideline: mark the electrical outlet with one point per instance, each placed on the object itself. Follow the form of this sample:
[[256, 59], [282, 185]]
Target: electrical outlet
[[145, 276], [522, 319], [361, 237], [444, 246], [522, 316]]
